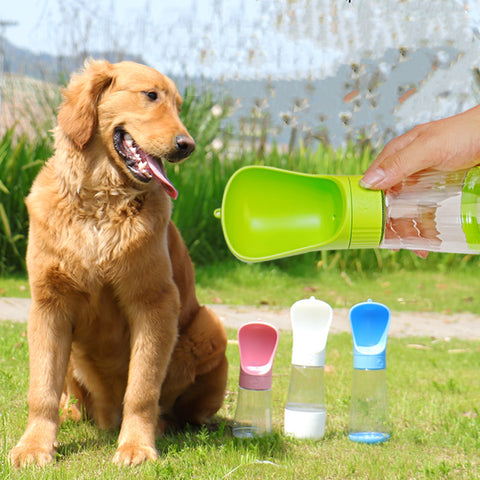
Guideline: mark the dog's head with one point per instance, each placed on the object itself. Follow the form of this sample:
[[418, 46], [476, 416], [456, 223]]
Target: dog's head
[[133, 110]]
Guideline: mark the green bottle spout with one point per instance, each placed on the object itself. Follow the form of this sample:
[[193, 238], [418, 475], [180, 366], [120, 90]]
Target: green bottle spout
[[268, 213]]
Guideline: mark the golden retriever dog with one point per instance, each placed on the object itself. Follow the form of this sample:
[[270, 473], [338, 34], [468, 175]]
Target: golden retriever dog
[[114, 320]]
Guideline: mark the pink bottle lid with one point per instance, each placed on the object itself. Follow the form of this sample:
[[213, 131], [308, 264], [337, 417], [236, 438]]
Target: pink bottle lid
[[257, 343]]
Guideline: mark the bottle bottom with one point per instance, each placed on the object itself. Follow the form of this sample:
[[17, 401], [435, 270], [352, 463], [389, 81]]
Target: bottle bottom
[[246, 431], [369, 437]]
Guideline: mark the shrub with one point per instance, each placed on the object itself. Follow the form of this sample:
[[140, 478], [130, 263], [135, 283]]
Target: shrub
[[20, 161]]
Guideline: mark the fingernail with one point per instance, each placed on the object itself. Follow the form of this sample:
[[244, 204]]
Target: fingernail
[[373, 178]]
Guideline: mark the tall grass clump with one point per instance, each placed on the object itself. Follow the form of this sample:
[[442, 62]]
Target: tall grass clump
[[20, 161], [202, 178]]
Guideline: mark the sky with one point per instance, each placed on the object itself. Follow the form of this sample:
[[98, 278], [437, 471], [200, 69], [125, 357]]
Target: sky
[[36, 19], [305, 40], [222, 35], [138, 26], [226, 37]]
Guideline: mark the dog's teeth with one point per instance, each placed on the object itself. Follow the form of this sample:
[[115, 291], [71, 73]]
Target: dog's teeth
[[129, 141], [142, 167]]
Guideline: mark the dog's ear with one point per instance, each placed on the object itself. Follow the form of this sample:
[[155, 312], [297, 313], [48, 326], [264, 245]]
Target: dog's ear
[[77, 116]]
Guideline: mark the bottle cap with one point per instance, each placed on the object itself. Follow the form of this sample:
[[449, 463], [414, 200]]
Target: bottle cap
[[370, 322], [311, 320], [367, 215], [257, 343]]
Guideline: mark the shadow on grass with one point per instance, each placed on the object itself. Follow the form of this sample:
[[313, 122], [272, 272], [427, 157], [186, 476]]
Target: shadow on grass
[[77, 438], [218, 433]]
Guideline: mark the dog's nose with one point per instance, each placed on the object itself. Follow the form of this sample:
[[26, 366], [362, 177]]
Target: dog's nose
[[184, 145]]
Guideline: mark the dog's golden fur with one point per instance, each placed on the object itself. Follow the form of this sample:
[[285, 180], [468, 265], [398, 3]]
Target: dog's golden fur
[[114, 319]]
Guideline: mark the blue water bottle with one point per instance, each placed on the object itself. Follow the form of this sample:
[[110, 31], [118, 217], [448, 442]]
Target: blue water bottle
[[369, 421]]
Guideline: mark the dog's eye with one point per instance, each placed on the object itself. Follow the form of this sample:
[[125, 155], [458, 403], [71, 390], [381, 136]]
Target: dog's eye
[[151, 95]]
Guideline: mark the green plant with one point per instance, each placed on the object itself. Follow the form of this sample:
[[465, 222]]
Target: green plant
[[20, 161], [201, 179]]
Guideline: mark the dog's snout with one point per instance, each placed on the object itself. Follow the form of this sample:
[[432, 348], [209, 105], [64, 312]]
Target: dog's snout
[[184, 145]]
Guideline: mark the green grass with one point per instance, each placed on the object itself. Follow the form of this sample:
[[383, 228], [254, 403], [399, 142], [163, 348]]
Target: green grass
[[14, 286], [235, 283], [268, 284], [434, 412]]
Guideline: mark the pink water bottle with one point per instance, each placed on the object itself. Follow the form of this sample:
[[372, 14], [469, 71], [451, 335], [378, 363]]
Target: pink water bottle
[[257, 343]]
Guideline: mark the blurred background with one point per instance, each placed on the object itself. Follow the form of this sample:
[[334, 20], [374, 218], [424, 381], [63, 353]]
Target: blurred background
[[311, 85], [322, 70]]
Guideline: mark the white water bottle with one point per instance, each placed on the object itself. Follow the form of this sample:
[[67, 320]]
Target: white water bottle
[[305, 411]]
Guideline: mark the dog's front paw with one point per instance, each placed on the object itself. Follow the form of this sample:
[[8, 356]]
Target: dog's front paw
[[23, 455], [132, 454]]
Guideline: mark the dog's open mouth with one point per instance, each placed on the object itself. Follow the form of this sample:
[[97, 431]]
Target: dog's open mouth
[[143, 166]]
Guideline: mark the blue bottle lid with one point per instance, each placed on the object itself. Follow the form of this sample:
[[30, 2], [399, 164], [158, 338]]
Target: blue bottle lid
[[370, 322]]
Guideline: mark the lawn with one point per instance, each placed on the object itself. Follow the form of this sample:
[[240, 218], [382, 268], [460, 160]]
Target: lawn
[[434, 414], [236, 283]]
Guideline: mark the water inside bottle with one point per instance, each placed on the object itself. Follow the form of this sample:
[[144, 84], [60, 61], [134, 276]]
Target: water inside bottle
[[305, 420], [305, 407], [425, 213]]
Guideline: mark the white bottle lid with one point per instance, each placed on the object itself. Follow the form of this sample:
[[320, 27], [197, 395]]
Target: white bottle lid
[[311, 320], [305, 424]]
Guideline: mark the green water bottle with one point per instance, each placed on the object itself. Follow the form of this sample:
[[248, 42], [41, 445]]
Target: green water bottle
[[268, 213]]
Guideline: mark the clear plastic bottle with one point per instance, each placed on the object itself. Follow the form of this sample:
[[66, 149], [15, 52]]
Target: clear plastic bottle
[[434, 211], [369, 403], [369, 421], [253, 415], [257, 344], [305, 412]]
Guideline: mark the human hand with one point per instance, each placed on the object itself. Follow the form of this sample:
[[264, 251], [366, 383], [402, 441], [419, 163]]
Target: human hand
[[449, 144]]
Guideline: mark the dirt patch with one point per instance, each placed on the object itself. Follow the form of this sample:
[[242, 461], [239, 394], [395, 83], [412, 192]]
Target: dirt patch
[[403, 324]]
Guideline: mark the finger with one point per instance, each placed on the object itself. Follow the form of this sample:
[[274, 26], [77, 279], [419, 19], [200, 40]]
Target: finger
[[400, 142], [418, 155], [376, 172]]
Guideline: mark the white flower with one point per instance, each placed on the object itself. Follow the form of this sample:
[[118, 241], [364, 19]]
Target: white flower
[[216, 110], [216, 145]]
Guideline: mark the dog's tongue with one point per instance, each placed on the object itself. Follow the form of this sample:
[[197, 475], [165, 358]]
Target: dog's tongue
[[160, 176]]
